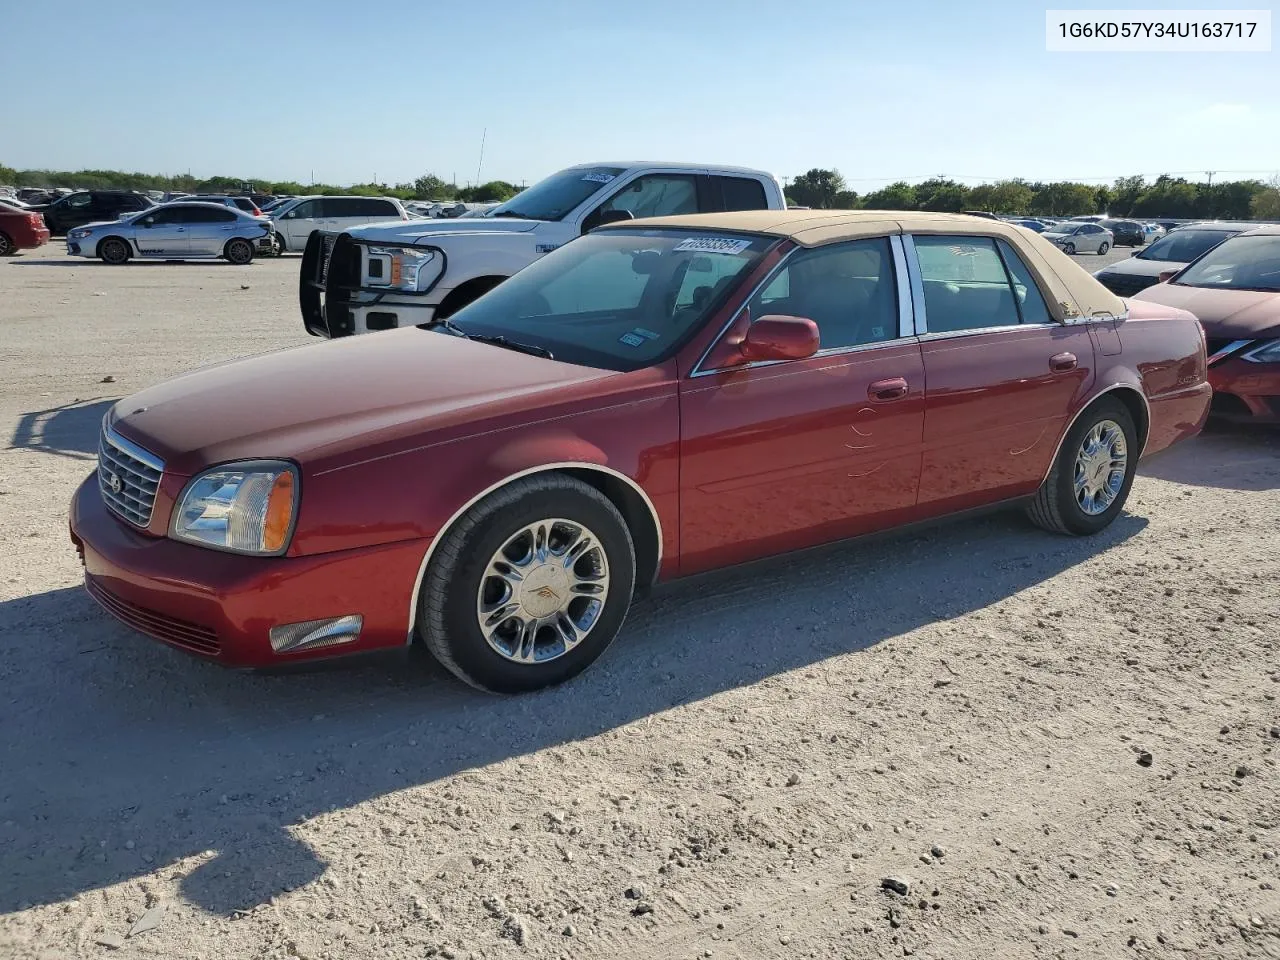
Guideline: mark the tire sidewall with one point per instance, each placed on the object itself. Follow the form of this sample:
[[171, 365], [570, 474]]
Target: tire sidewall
[[1069, 249], [1102, 250], [7, 246], [468, 646], [1076, 520]]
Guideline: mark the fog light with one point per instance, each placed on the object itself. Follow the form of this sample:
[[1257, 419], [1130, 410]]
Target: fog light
[[314, 634]]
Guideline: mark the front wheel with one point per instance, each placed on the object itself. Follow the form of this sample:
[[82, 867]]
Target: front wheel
[[239, 252], [1090, 479], [277, 245], [114, 251], [1069, 248], [1103, 249], [530, 586]]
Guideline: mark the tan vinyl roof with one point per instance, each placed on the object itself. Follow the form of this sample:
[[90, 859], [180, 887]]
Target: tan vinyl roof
[[1074, 291]]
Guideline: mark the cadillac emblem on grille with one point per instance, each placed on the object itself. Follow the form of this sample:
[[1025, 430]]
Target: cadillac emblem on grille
[[114, 483]]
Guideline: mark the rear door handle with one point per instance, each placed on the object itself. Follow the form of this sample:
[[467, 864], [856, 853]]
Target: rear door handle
[[882, 391], [1062, 362]]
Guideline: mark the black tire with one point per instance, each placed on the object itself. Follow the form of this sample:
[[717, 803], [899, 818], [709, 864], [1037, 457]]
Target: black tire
[[1055, 507], [278, 245], [1068, 248], [7, 247], [447, 619], [239, 252], [114, 251], [1102, 250]]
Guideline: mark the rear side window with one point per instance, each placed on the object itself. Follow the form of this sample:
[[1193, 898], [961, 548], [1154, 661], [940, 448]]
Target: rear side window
[[244, 203], [211, 215], [1030, 300], [966, 286], [741, 193]]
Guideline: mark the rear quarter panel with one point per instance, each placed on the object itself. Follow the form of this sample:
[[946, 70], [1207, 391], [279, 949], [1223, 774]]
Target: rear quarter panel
[[1163, 351]]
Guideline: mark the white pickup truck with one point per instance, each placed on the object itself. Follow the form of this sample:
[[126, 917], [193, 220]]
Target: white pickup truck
[[399, 274]]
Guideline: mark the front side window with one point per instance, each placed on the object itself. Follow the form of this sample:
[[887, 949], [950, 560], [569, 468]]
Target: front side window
[[558, 195], [159, 218], [966, 286], [618, 299], [306, 210], [79, 200], [1183, 246], [1241, 263], [848, 289], [656, 195]]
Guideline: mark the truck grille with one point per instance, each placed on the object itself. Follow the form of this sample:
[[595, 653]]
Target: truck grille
[[128, 477]]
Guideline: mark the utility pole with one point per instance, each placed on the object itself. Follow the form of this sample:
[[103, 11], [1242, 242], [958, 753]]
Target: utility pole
[[483, 135], [1211, 173]]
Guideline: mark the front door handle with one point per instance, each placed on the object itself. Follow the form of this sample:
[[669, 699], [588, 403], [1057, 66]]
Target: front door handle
[[882, 391], [1062, 362]]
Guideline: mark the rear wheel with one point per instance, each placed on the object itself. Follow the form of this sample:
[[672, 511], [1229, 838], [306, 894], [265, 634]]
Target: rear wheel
[[113, 250], [7, 246], [530, 586], [239, 252], [1103, 249], [1089, 482]]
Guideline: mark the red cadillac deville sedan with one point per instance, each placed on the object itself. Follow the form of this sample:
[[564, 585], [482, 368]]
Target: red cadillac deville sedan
[[654, 399]]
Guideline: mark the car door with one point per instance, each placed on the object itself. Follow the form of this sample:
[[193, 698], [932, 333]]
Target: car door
[[210, 228], [163, 233], [75, 211], [786, 454], [1002, 373], [299, 223]]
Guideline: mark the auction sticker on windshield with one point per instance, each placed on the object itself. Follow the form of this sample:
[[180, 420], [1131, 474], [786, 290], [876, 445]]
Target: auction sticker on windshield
[[598, 177], [713, 245]]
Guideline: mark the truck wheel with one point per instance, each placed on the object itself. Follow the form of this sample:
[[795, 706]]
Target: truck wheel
[[530, 586], [7, 247]]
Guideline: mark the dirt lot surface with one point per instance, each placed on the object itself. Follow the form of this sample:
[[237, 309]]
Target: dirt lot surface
[[1058, 747]]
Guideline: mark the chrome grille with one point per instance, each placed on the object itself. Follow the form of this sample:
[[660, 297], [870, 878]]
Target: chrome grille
[[326, 254], [128, 477]]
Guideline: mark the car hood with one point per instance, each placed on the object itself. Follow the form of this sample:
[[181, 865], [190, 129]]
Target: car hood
[[1135, 267], [100, 223], [415, 230], [1225, 314], [325, 404]]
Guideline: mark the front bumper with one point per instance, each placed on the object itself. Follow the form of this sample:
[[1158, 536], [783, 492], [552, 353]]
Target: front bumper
[[222, 606], [1244, 391], [333, 302]]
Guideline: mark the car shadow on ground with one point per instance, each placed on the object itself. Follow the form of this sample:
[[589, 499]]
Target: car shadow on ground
[[70, 430], [121, 756], [1225, 456], [135, 262]]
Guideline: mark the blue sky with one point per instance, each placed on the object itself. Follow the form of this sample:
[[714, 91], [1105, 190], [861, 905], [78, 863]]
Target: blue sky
[[879, 90]]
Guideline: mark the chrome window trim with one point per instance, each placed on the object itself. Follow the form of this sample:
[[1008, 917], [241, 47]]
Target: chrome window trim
[[1003, 328], [1229, 349], [457, 515], [917, 285], [133, 450], [906, 315]]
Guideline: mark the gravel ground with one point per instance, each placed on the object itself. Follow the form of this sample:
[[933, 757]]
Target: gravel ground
[[980, 741]]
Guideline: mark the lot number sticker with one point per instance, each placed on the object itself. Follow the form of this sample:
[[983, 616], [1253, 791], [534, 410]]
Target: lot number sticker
[[597, 178], [713, 245]]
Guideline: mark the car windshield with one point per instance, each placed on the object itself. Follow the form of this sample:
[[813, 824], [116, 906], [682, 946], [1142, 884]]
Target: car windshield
[[618, 299], [1065, 228], [1183, 246], [1241, 263], [557, 195]]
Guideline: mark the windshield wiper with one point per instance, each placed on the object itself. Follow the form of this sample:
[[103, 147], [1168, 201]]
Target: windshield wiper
[[444, 323], [500, 341]]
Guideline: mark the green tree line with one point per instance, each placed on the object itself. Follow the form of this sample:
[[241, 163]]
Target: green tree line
[[426, 187], [1128, 197], [819, 188]]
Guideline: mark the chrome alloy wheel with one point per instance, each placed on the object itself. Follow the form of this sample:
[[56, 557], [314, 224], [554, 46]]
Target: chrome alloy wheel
[[1101, 464], [543, 591]]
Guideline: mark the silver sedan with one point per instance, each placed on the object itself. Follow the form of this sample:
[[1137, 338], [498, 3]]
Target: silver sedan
[[1075, 236], [175, 231]]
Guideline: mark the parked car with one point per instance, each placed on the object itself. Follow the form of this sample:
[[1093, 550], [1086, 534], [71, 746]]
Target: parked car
[[649, 401], [13, 203], [1087, 218], [36, 195], [1075, 236], [1033, 225], [394, 275], [1171, 252], [93, 206], [1125, 233], [1153, 231], [1234, 288], [240, 203], [297, 219], [175, 231], [20, 230]]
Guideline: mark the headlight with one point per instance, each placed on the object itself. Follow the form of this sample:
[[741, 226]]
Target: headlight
[[79, 233], [1269, 352], [240, 507], [406, 268]]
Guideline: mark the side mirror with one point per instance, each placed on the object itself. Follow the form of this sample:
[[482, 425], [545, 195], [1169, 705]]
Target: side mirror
[[598, 218], [777, 337], [1167, 275]]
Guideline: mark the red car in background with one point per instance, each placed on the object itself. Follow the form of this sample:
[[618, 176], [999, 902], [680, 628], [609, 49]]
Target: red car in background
[[20, 229], [1235, 291], [654, 399]]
